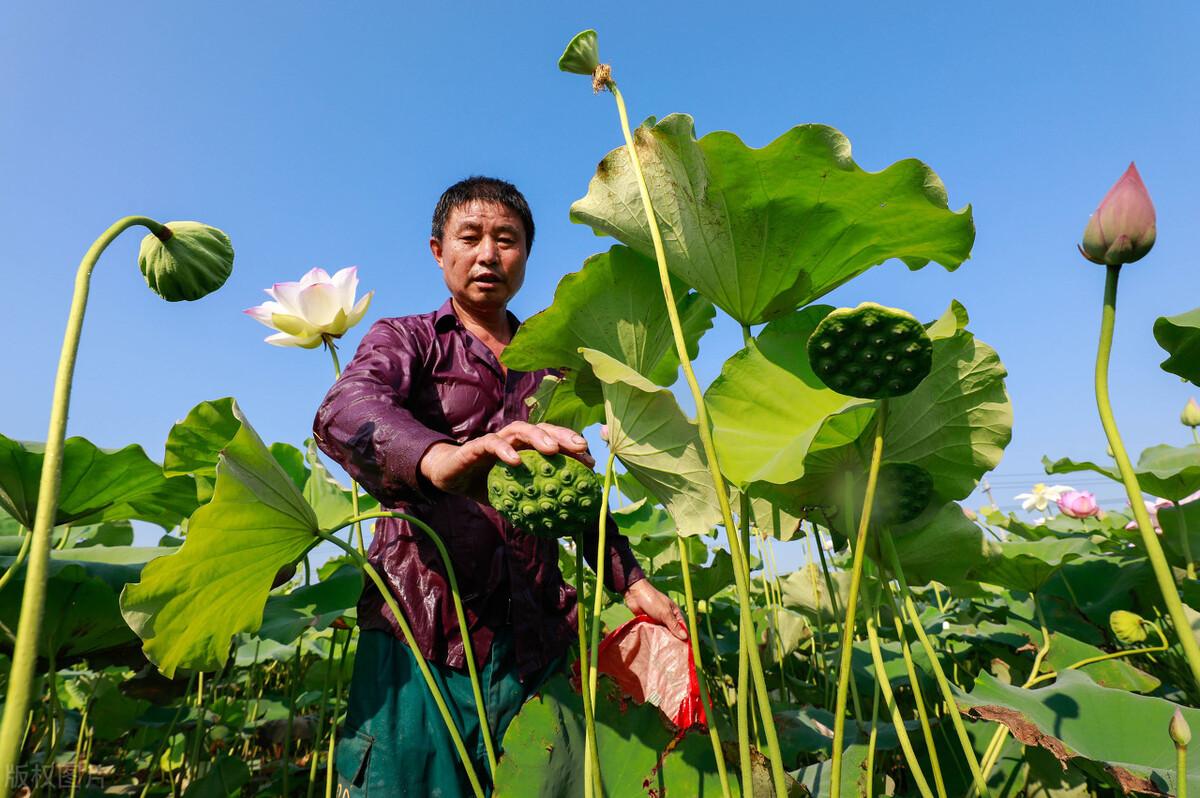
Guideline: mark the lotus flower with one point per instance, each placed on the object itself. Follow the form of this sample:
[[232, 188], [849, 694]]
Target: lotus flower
[[316, 309], [1122, 229], [1041, 496], [1181, 733], [1078, 504], [1153, 507], [1190, 417]]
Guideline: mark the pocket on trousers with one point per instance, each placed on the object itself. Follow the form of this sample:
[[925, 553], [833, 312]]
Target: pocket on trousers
[[352, 758]]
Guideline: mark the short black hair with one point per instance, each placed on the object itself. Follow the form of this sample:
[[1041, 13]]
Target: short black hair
[[483, 189]]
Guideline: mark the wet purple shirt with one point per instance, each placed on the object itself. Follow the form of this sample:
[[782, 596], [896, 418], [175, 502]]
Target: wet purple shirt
[[415, 381]]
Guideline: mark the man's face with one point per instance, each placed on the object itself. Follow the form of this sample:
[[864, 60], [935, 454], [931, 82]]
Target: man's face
[[482, 254]]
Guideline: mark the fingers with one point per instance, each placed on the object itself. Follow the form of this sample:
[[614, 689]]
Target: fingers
[[547, 439], [680, 628]]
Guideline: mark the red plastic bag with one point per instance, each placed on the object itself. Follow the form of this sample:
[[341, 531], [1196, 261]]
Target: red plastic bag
[[650, 664]]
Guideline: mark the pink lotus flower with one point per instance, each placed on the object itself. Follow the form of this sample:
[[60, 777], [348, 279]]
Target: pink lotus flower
[[318, 307], [1153, 507], [1122, 229], [1078, 504]]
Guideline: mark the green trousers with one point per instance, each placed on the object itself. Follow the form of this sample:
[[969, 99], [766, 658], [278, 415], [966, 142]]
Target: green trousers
[[394, 743]]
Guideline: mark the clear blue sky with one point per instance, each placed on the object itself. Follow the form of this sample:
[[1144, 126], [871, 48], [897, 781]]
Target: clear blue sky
[[323, 133]]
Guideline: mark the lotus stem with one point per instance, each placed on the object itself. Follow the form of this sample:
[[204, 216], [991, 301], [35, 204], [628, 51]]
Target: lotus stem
[[1185, 543], [1130, 652], [33, 599], [406, 631], [1158, 560], [1181, 771], [22, 553], [744, 716], [860, 545], [897, 719], [162, 747], [918, 698], [79, 747], [873, 741], [690, 600], [314, 760], [705, 431], [295, 677], [337, 375], [591, 756], [813, 545], [333, 721], [460, 614], [939, 674], [601, 556]]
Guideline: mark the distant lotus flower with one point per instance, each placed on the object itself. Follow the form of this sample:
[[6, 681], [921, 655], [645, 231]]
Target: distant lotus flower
[[1191, 414], [1078, 504], [1153, 507], [1122, 229], [1041, 496], [314, 309]]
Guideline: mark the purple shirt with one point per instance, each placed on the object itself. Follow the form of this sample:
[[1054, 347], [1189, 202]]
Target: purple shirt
[[416, 381]]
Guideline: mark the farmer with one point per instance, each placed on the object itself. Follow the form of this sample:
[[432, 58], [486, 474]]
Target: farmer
[[419, 416]]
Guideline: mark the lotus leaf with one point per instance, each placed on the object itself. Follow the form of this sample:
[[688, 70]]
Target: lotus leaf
[[1180, 336]]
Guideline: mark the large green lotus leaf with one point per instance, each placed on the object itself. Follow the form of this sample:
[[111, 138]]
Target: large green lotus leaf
[[1169, 472], [944, 548], [194, 444], [763, 231], [312, 607], [817, 779], [657, 443], [1075, 718], [188, 606], [1180, 336], [707, 579], [82, 615], [1178, 523], [97, 485], [767, 406], [543, 749], [806, 591], [330, 501], [1027, 564], [614, 305], [557, 401]]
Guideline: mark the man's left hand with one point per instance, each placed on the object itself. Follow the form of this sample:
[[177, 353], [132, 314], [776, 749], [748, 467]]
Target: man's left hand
[[643, 598]]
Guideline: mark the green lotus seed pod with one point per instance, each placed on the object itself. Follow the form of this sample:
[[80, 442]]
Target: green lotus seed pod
[[878, 351], [902, 492], [186, 260], [1128, 627], [540, 504]]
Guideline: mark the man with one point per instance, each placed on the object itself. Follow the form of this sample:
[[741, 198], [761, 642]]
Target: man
[[418, 418]]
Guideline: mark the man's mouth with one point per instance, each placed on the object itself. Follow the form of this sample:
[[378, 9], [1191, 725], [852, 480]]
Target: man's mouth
[[487, 279]]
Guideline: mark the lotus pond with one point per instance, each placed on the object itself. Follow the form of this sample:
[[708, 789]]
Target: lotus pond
[[924, 648]]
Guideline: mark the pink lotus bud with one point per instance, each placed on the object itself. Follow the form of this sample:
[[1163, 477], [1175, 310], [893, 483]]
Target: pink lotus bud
[[1078, 504], [1122, 228]]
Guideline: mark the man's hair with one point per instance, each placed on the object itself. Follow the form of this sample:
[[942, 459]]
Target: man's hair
[[483, 189]]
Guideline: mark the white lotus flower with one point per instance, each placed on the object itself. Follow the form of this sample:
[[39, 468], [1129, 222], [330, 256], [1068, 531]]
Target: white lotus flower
[[1041, 496], [317, 307]]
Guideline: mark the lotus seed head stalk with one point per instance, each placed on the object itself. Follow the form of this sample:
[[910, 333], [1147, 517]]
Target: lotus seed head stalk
[[1122, 229]]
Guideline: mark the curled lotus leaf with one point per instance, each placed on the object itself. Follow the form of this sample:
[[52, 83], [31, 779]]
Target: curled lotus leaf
[[187, 261]]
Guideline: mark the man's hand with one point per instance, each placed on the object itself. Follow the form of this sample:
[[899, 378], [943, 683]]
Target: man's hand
[[643, 598], [463, 469]]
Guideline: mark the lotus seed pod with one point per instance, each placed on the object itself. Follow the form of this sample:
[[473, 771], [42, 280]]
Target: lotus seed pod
[[546, 508], [1181, 733], [186, 261], [1128, 627], [871, 351], [902, 492]]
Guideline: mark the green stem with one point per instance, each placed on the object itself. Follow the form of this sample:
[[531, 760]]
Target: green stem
[[1130, 652], [162, 747], [79, 747], [1158, 560], [464, 629], [690, 602], [591, 757], [717, 659], [705, 431], [337, 375], [406, 631], [860, 545], [293, 680], [333, 721], [897, 719], [1181, 771], [33, 599], [914, 620], [1185, 543], [918, 697], [819, 651], [873, 741], [601, 557], [744, 716], [315, 758], [19, 561]]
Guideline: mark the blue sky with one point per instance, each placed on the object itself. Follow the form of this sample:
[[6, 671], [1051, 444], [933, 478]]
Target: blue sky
[[323, 133]]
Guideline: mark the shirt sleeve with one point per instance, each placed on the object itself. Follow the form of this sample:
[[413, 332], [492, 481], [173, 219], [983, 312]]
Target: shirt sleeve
[[621, 568], [365, 423]]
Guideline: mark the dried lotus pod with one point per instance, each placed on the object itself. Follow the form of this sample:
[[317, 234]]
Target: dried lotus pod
[[871, 351], [185, 260], [548, 496]]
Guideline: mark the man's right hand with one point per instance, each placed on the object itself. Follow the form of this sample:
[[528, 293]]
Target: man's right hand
[[463, 469]]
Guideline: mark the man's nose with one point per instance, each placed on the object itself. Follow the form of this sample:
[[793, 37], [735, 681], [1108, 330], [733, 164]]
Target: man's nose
[[488, 251]]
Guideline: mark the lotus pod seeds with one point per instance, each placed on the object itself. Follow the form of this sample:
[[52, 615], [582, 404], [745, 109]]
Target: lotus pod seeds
[[902, 492], [535, 496], [871, 351]]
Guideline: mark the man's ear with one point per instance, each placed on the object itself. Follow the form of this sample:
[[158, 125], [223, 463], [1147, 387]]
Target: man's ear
[[435, 246]]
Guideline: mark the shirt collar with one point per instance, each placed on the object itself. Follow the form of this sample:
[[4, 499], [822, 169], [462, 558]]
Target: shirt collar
[[446, 319]]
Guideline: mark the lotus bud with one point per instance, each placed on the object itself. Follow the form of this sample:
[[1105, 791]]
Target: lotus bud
[[1078, 504], [1181, 733], [185, 260], [1191, 414], [1129, 627], [1122, 229]]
